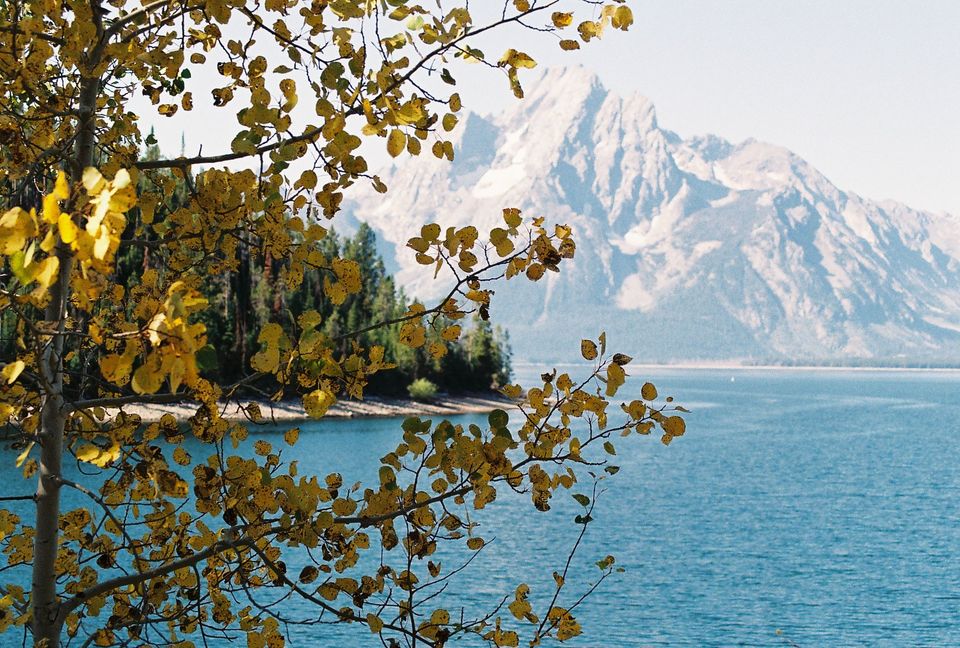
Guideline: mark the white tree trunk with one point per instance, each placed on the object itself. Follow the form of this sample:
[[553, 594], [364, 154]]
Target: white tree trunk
[[47, 617]]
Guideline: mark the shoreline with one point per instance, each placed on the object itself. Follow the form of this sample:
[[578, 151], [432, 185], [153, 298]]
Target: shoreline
[[292, 410], [733, 366], [834, 368]]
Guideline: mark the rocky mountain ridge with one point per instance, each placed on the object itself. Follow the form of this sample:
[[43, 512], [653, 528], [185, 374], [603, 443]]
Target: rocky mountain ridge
[[688, 249]]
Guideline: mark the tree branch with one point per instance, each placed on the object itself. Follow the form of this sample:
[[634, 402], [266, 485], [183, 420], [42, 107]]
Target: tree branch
[[370, 520], [103, 587], [17, 498], [323, 604], [315, 132], [13, 29], [120, 401], [143, 11]]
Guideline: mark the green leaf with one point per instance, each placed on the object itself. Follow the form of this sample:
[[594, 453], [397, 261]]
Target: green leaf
[[206, 358], [17, 265], [582, 499], [243, 143], [498, 418]]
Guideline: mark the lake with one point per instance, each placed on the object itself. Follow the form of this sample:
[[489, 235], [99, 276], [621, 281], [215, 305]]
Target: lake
[[823, 504]]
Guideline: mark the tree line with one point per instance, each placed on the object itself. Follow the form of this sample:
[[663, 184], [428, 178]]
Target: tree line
[[242, 302]]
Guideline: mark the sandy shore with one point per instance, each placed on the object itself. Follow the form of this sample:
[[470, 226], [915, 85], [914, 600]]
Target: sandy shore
[[372, 406]]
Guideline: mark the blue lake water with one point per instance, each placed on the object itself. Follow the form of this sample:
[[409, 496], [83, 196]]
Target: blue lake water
[[825, 505]]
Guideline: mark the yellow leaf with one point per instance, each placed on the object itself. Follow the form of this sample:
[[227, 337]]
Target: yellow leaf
[[430, 232], [437, 350], [344, 506], [93, 182], [49, 241], [61, 189], [308, 180], [396, 142], [46, 272], [410, 113], [501, 241], [289, 89], [116, 368], [376, 625], [512, 391], [588, 349], [566, 625], [267, 359], [535, 272], [561, 19], [97, 456], [622, 18], [317, 402], [22, 457], [413, 335], [171, 484], [181, 456], [68, 230], [12, 371], [177, 370], [348, 273], [451, 333], [674, 426], [648, 391], [147, 379], [588, 30], [101, 244], [291, 436], [51, 208], [514, 59], [615, 378], [521, 607], [16, 226]]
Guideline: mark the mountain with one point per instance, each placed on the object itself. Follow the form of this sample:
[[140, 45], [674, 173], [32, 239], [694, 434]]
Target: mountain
[[688, 249]]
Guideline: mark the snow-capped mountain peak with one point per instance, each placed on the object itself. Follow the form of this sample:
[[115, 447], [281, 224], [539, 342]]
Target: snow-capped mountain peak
[[688, 248]]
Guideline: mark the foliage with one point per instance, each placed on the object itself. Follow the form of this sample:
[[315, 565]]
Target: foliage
[[247, 299], [173, 547], [422, 389]]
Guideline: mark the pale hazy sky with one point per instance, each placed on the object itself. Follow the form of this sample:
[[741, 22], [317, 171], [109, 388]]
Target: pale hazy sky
[[868, 91]]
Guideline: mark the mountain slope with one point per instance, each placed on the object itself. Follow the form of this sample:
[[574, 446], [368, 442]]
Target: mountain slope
[[687, 248]]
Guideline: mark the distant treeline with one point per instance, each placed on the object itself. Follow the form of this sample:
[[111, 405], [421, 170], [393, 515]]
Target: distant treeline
[[478, 362], [254, 295]]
